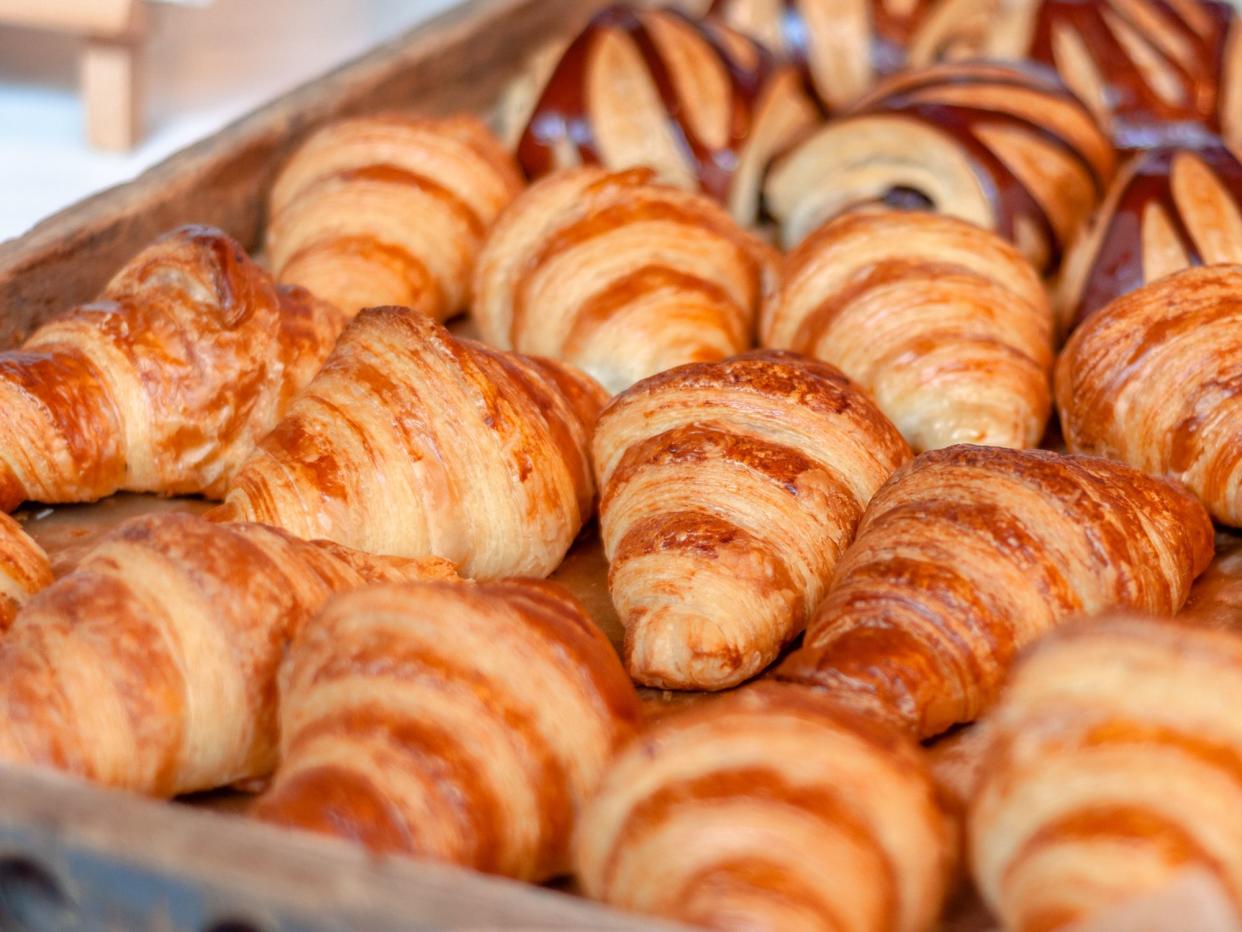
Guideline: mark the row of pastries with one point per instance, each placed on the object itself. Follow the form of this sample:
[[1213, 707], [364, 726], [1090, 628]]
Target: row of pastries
[[793, 297]]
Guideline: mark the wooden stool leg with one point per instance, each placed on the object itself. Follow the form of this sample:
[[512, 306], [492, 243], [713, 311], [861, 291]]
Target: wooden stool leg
[[110, 89]]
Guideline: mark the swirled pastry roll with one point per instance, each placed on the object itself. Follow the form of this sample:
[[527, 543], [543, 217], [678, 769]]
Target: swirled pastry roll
[[945, 324], [1155, 379], [414, 443], [24, 569], [409, 723], [969, 554], [620, 276], [1167, 210], [702, 105], [1003, 146], [389, 209], [162, 385], [1114, 768], [728, 491], [152, 665], [768, 809]]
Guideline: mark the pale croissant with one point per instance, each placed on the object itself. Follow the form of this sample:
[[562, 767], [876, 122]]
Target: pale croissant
[[415, 443], [969, 554], [728, 491], [459, 722], [389, 209], [165, 383], [152, 665], [24, 569], [769, 809], [944, 323], [620, 276]]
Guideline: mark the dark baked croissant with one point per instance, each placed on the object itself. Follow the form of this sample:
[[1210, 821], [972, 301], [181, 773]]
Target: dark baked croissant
[[769, 809], [1155, 379], [1112, 769], [152, 665], [970, 553], [1168, 209], [620, 276], [728, 491], [464, 723], [164, 384], [1002, 146], [945, 324], [389, 209], [24, 569], [415, 443], [702, 105]]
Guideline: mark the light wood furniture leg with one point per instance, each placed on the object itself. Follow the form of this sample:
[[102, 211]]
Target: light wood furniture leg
[[111, 91]]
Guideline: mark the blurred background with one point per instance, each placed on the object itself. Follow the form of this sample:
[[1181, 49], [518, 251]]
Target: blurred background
[[66, 128]]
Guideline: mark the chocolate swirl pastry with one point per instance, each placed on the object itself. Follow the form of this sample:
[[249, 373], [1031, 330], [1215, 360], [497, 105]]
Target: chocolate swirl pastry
[[1003, 146], [1155, 72], [705, 106], [1168, 209]]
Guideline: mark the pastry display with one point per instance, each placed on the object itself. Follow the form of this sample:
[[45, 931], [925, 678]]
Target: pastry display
[[24, 569], [705, 107], [414, 443], [1154, 379], [1003, 146], [408, 723], [970, 553], [945, 324], [389, 209], [619, 275]]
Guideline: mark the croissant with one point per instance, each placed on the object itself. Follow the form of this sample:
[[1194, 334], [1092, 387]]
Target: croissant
[[1002, 146], [152, 665], [24, 569], [620, 276], [970, 553], [165, 383], [414, 443], [1216, 599], [768, 809], [1154, 380], [703, 105], [389, 209], [409, 723], [945, 324], [1168, 209], [1112, 769], [728, 491]]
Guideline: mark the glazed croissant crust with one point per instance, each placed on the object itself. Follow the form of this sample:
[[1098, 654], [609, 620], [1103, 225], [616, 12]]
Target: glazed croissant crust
[[728, 491], [768, 809], [414, 443], [1155, 379], [620, 276], [152, 665], [24, 569], [970, 553], [389, 209], [164, 384], [409, 723], [945, 324]]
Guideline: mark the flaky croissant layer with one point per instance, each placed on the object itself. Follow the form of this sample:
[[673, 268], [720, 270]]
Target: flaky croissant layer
[[24, 569]]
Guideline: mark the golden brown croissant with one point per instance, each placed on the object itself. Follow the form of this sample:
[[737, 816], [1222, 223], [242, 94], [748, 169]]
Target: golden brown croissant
[[152, 665], [389, 209], [768, 809], [165, 383], [704, 106], [970, 553], [1215, 601], [414, 443], [944, 323], [1155, 380], [460, 722], [1113, 768], [728, 491], [1004, 147], [24, 569], [1168, 209], [620, 276]]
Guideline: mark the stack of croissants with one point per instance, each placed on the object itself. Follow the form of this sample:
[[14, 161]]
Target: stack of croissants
[[891, 350]]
